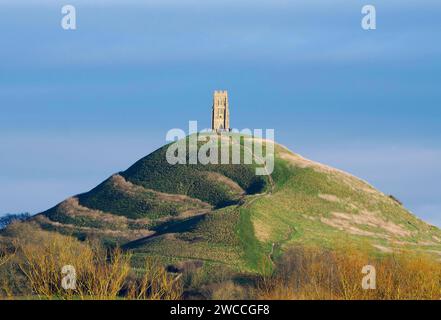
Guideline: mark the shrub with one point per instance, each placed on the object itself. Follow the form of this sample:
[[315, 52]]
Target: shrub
[[100, 273], [155, 283], [228, 291], [311, 273]]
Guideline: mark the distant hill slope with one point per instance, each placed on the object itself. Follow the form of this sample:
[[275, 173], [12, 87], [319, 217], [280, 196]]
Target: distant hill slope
[[225, 214]]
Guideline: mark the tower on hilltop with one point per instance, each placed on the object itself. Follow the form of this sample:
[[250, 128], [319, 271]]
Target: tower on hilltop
[[220, 118]]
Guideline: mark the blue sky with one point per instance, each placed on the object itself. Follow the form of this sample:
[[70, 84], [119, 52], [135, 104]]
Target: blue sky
[[77, 106]]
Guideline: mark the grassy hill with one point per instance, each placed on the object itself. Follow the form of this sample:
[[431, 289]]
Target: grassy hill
[[225, 215]]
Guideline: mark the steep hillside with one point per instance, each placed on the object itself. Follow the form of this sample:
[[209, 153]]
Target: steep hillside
[[225, 214], [151, 193]]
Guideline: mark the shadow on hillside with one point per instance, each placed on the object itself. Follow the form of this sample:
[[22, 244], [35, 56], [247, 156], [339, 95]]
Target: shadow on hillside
[[179, 226]]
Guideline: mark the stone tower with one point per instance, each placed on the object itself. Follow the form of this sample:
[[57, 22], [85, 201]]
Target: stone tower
[[220, 118]]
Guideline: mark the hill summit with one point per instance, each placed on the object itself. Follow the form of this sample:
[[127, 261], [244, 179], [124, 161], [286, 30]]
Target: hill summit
[[226, 214]]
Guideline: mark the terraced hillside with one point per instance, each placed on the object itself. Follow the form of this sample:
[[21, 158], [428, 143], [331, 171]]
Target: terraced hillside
[[226, 215], [150, 194]]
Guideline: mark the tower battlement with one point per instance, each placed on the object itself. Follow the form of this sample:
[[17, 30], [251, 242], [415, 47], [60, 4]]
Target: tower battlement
[[220, 117]]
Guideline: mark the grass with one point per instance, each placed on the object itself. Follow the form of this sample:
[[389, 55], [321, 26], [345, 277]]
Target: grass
[[292, 215], [217, 227], [139, 198], [142, 204], [253, 252], [155, 173], [297, 204], [57, 215], [310, 207], [300, 273]]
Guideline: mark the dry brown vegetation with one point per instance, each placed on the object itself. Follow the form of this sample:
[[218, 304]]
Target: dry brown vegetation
[[155, 283], [311, 273], [100, 273], [4, 257], [30, 268]]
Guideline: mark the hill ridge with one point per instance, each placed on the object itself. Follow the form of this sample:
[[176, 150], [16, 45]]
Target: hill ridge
[[226, 213]]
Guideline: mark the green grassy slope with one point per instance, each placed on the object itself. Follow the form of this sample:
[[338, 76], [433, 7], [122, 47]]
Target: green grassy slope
[[151, 193], [226, 215], [196, 181], [311, 204]]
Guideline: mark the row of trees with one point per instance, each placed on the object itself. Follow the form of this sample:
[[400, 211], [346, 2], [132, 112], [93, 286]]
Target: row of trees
[[8, 218]]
